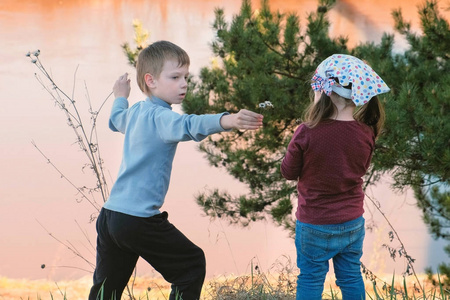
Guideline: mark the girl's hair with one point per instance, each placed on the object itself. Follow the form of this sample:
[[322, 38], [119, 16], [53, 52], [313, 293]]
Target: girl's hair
[[151, 60], [320, 111], [371, 113]]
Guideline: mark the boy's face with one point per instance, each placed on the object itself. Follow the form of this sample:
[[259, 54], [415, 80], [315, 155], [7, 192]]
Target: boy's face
[[171, 85]]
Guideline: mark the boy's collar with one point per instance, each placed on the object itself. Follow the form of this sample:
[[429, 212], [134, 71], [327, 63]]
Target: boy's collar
[[159, 101]]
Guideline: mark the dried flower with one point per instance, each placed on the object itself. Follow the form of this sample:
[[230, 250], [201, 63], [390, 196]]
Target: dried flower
[[37, 52], [33, 61], [265, 104], [28, 54]]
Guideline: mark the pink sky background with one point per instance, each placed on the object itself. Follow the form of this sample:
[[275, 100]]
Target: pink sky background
[[86, 34]]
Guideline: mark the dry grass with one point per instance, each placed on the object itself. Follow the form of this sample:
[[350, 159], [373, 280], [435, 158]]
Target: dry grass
[[13, 289], [258, 286]]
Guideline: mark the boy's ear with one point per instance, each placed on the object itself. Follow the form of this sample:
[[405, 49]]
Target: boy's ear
[[150, 80]]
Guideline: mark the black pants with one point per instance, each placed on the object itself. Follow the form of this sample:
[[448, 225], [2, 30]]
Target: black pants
[[123, 238]]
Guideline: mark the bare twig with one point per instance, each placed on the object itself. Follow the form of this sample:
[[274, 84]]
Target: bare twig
[[86, 139], [85, 235], [69, 246], [89, 144], [409, 259], [79, 190], [403, 252]]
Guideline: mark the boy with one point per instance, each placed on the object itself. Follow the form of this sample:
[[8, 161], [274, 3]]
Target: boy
[[130, 224]]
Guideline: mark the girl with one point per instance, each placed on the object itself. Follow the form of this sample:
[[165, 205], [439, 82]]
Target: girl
[[329, 154]]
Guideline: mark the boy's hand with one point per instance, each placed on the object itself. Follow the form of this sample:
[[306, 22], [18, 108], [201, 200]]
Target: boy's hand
[[244, 119], [122, 87]]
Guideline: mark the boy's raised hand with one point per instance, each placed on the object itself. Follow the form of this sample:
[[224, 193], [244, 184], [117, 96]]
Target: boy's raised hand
[[122, 87], [244, 119]]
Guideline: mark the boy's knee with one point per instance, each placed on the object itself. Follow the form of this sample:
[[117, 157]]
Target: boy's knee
[[194, 267], [201, 266]]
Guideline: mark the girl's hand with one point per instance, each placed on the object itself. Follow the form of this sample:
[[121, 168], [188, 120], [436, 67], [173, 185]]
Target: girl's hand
[[122, 87], [244, 119]]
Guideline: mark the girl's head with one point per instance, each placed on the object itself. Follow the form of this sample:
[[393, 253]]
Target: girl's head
[[151, 60], [345, 80]]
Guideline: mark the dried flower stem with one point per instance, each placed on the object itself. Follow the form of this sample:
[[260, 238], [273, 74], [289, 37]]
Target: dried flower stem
[[87, 142], [409, 259], [80, 191], [68, 246]]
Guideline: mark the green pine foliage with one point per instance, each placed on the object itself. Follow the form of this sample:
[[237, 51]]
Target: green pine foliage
[[267, 55], [415, 147], [140, 39], [264, 56]]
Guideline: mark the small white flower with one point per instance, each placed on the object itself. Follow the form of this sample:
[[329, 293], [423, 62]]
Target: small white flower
[[268, 104], [262, 105], [37, 52]]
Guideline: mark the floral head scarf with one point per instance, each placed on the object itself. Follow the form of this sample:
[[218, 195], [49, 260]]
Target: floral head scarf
[[348, 69]]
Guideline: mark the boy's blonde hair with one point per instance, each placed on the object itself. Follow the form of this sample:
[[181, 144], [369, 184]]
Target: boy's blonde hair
[[151, 60]]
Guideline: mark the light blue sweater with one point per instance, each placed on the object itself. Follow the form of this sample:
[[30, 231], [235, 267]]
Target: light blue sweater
[[152, 132]]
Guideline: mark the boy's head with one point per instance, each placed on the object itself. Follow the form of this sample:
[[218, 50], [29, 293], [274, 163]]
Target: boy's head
[[151, 61]]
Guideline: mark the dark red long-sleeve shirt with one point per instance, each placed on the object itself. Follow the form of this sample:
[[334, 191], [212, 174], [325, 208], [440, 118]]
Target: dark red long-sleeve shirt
[[329, 162]]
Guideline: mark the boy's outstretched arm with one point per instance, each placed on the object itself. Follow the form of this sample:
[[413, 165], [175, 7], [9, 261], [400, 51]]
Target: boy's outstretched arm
[[244, 119]]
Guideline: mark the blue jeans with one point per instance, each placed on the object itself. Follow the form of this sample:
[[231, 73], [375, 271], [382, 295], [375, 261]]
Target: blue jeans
[[316, 245]]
